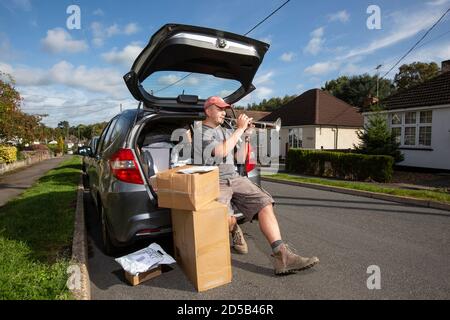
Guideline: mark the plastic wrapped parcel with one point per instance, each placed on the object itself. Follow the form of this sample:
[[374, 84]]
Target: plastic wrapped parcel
[[145, 259]]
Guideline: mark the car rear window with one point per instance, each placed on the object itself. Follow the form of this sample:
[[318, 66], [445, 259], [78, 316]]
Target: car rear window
[[169, 84]]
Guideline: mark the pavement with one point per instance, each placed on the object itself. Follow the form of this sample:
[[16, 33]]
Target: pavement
[[15, 183], [351, 235]]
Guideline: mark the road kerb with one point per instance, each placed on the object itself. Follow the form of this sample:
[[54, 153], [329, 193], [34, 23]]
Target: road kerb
[[79, 274], [369, 194]]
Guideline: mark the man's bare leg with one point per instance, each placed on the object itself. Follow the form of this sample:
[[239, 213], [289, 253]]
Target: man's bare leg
[[268, 224]]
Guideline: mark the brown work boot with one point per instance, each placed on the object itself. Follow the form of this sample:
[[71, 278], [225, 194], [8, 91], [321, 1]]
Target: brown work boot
[[285, 261], [239, 243]]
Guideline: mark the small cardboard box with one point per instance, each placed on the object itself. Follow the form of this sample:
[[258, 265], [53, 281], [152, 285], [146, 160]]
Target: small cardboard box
[[186, 191], [134, 280], [202, 245]]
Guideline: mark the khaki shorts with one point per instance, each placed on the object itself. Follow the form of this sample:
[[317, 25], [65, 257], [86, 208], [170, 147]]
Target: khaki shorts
[[242, 195]]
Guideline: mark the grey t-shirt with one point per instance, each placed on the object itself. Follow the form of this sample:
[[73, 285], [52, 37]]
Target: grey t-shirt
[[211, 137]]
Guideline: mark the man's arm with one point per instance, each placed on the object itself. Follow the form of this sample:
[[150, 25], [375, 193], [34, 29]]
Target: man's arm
[[223, 149]]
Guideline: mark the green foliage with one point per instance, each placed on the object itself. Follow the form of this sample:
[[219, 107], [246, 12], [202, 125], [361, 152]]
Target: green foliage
[[269, 105], [377, 139], [415, 73], [349, 166], [36, 232], [8, 154], [355, 90], [60, 145]]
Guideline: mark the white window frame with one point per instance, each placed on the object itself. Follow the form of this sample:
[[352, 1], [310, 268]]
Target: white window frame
[[417, 125], [299, 141]]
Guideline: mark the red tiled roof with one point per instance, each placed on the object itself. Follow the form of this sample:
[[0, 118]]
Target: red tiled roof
[[433, 92], [317, 107]]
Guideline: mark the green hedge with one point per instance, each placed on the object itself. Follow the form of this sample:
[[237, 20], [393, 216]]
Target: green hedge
[[8, 154], [350, 166]]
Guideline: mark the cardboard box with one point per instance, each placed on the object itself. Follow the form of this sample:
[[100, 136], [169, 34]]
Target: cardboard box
[[202, 245], [134, 280], [187, 191]]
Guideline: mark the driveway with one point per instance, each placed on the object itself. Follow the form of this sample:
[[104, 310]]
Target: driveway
[[409, 245], [16, 182]]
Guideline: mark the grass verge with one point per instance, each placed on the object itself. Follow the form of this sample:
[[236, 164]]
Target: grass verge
[[36, 231], [365, 186]]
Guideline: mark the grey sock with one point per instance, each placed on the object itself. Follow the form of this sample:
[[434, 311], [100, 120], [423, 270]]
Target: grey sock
[[276, 246]]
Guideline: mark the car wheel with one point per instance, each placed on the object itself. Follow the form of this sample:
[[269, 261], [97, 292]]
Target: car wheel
[[108, 246]]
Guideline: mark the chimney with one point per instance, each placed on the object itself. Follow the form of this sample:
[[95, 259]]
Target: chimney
[[445, 67]]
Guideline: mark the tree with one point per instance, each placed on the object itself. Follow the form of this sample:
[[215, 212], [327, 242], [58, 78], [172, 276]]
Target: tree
[[15, 124], [415, 73], [377, 139], [271, 104], [356, 89]]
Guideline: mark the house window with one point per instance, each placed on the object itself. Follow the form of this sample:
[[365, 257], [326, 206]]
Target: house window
[[425, 136], [397, 132], [410, 118], [295, 138], [410, 136], [412, 129], [425, 117], [396, 118]]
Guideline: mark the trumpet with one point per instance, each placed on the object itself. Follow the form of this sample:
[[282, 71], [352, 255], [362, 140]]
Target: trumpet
[[258, 124]]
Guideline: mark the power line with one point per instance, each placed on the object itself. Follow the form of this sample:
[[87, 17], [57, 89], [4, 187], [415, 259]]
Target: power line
[[422, 45], [415, 45], [257, 25], [271, 14]]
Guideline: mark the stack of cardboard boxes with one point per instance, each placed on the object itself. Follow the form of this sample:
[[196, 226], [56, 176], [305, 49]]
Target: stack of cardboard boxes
[[200, 225]]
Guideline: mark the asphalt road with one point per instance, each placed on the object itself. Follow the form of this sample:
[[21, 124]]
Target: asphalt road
[[410, 245]]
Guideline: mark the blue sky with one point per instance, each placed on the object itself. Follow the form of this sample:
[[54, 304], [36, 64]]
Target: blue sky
[[76, 75]]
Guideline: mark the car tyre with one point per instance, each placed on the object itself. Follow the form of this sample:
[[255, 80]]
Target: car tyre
[[108, 247]]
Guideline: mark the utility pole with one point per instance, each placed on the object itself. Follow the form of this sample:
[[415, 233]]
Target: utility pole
[[120, 108], [378, 80]]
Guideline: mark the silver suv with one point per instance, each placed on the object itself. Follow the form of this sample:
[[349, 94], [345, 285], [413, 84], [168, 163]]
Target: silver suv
[[178, 57]]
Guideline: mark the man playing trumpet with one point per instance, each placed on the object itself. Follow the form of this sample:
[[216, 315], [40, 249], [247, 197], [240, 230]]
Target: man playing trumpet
[[239, 192]]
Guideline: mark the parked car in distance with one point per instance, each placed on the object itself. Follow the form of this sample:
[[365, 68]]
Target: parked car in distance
[[137, 143], [87, 153]]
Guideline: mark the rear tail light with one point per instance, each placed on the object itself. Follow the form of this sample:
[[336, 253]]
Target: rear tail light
[[124, 167], [250, 160]]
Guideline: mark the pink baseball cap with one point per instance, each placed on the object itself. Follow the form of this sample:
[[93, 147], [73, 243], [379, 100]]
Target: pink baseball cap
[[215, 100]]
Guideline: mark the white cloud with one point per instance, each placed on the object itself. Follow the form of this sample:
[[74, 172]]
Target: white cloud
[[225, 93], [171, 79], [125, 57], [168, 79], [287, 56], [404, 25], [131, 28], [322, 68], [315, 44], [263, 79], [100, 32], [342, 16], [98, 12], [74, 105], [59, 40], [100, 80], [353, 69], [437, 2]]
